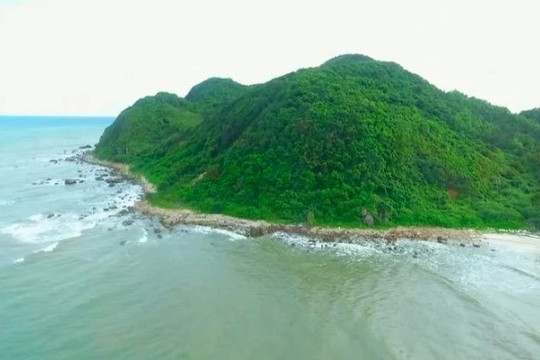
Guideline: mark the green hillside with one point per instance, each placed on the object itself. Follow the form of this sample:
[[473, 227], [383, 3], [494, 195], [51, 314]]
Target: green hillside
[[215, 91], [150, 122], [321, 144], [533, 114]]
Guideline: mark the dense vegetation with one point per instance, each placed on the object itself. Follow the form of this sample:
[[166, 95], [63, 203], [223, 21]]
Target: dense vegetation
[[533, 114], [321, 144]]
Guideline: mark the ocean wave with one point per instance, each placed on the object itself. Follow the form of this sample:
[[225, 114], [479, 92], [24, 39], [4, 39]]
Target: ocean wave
[[207, 230], [47, 249], [53, 227], [41, 228], [144, 237], [398, 250], [6, 202], [339, 248]]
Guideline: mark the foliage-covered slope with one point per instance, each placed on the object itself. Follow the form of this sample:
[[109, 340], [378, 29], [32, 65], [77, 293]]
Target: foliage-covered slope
[[532, 114], [321, 144], [140, 128], [215, 91]]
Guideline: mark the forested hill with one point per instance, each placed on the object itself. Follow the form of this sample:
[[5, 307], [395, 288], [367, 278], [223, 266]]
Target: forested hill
[[532, 114], [320, 144]]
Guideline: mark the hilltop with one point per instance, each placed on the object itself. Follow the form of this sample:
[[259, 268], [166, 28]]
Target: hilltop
[[320, 144]]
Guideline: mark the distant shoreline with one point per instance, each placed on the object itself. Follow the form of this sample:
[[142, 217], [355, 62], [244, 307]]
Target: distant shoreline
[[256, 228]]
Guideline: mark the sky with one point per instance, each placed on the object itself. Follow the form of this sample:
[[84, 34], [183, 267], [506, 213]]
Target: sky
[[84, 57]]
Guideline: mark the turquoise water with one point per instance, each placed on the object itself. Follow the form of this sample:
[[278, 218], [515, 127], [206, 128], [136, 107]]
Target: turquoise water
[[82, 279]]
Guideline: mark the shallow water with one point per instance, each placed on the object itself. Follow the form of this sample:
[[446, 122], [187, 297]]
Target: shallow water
[[80, 281]]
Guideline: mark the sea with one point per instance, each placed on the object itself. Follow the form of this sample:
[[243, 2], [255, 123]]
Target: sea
[[84, 276]]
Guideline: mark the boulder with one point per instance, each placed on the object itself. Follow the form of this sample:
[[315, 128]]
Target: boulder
[[70, 182], [367, 217], [114, 180]]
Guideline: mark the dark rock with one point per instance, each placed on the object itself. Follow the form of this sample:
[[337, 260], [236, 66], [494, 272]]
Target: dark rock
[[157, 231], [476, 245], [85, 147], [256, 231], [70, 182], [441, 240], [114, 180], [391, 238], [54, 161], [127, 222], [462, 245], [367, 217], [50, 215], [123, 242]]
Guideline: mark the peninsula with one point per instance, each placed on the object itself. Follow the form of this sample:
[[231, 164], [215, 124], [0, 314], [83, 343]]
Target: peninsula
[[352, 142]]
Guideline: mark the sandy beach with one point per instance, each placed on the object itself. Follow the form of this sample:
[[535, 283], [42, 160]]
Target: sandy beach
[[520, 241]]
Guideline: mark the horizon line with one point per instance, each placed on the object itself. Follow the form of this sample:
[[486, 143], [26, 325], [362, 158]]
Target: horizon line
[[58, 115]]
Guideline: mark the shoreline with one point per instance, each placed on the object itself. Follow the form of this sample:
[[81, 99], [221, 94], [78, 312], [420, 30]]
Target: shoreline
[[256, 228]]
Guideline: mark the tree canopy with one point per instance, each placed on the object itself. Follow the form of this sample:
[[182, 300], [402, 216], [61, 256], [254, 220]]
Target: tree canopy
[[324, 143]]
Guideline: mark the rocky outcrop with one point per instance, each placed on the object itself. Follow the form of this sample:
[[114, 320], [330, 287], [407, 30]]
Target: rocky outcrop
[[367, 217]]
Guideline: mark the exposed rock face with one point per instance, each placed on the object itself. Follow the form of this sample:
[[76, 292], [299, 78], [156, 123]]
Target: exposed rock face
[[366, 216]]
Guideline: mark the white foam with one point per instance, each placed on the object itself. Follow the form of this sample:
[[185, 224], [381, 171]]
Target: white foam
[[6, 202], [339, 248], [39, 228], [207, 230], [18, 261], [144, 237], [46, 249], [232, 235]]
